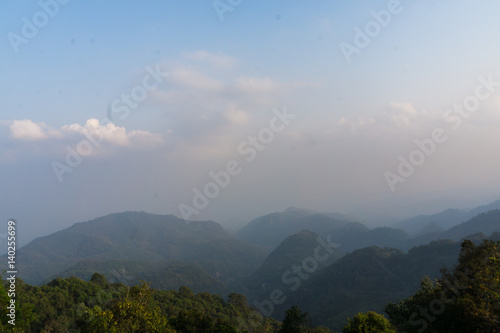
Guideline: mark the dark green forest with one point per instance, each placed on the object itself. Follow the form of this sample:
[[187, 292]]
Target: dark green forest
[[464, 299]]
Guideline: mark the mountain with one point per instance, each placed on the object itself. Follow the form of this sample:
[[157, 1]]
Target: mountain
[[337, 216], [307, 267], [432, 227], [366, 280], [485, 208], [229, 260], [294, 250], [161, 275], [140, 237], [445, 219], [270, 230], [486, 223]]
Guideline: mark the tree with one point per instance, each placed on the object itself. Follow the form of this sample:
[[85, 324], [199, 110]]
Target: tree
[[465, 300], [295, 321], [99, 279], [135, 313], [370, 322], [238, 301]]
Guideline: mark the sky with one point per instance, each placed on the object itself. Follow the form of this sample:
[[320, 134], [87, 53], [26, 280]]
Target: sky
[[228, 110]]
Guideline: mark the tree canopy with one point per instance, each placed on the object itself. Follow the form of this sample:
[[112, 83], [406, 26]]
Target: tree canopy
[[466, 299]]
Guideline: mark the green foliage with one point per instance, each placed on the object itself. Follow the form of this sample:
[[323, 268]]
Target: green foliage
[[73, 305], [295, 321], [99, 279], [201, 255], [370, 322], [465, 300], [135, 313], [368, 279]]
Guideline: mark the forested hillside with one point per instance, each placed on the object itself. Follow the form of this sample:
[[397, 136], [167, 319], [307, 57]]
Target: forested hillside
[[464, 299], [73, 305], [148, 240], [331, 276]]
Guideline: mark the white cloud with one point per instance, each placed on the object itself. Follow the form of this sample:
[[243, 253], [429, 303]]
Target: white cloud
[[110, 132], [405, 108], [202, 106], [237, 116], [27, 130], [144, 139], [114, 134], [191, 78]]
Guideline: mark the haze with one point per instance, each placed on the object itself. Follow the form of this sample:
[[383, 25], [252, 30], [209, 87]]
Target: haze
[[208, 82]]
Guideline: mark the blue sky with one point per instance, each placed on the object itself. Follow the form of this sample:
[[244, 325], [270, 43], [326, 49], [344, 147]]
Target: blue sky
[[353, 120]]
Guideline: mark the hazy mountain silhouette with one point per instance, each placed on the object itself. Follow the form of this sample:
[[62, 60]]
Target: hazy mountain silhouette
[[292, 251], [271, 229], [445, 219], [140, 237]]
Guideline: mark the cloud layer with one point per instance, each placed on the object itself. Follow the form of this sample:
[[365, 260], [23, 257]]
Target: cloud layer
[[331, 158]]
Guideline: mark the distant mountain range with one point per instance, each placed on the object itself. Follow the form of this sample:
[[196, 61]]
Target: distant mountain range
[[145, 239], [292, 251], [485, 223], [365, 279], [271, 229], [328, 264], [445, 219]]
